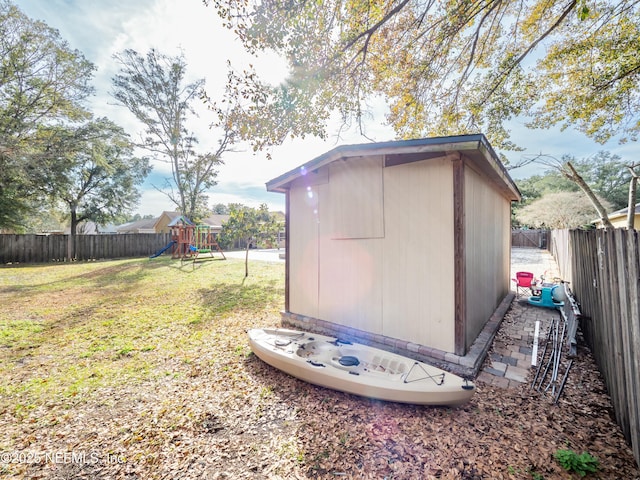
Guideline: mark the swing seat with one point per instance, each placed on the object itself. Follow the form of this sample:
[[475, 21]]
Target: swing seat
[[195, 249]]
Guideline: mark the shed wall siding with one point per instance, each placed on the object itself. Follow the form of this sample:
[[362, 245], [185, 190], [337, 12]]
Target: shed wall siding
[[351, 244], [356, 198], [350, 286], [418, 256], [399, 281], [487, 230], [303, 256]]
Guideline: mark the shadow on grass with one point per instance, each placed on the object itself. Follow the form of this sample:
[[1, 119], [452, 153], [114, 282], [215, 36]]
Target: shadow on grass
[[190, 266], [226, 297], [102, 274]]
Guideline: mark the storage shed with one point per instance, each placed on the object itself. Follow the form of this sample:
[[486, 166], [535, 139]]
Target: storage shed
[[403, 243]]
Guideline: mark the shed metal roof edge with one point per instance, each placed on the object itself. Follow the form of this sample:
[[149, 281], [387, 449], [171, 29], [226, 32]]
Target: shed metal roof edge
[[446, 144]]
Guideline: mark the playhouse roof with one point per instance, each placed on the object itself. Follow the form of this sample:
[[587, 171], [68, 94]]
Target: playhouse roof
[[476, 148], [179, 219]]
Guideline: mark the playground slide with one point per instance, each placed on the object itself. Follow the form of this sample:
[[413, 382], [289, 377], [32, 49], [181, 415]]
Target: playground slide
[[161, 251]]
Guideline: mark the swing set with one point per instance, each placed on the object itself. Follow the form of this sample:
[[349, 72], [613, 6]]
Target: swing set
[[192, 240]]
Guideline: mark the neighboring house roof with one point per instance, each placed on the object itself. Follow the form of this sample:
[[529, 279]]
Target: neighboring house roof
[[111, 228], [146, 225], [150, 225], [216, 220], [623, 212], [619, 214], [87, 227], [473, 147]]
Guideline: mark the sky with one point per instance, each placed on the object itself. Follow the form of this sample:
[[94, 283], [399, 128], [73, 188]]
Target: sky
[[101, 28]]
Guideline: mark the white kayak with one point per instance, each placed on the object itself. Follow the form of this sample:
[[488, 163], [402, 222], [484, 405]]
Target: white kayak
[[358, 369]]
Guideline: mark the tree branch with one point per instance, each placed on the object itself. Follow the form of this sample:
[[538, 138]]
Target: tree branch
[[504, 74]]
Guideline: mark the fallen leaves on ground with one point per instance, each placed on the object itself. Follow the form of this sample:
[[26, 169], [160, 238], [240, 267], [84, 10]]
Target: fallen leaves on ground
[[223, 413]]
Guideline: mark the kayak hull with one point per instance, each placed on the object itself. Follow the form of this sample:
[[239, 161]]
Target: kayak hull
[[358, 369]]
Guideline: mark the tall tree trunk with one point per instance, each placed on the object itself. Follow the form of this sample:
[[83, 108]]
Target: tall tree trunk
[[631, 209], [575, 177], [71, 244], [246, 259]]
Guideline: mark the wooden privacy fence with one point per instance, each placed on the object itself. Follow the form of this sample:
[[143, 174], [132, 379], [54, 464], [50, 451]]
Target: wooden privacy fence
[[606, 279], [529, 238], [559, 248], [53, 248]]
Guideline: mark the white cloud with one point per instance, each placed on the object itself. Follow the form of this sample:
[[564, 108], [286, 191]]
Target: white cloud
[[100, 29]]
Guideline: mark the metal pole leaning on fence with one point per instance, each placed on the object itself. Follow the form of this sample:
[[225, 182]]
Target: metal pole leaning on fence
[[550, 362], [546, 369], [556, 366], [544, 352], [564, 380]]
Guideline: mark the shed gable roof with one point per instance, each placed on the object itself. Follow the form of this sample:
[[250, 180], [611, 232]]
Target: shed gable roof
[[476, 148]]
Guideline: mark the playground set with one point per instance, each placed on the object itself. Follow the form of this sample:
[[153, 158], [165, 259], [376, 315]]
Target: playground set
[[189, 240]]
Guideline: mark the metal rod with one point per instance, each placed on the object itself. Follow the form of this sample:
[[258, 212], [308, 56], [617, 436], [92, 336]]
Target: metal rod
[[552, 360], [556, 367], [564, 380], [544, 352]]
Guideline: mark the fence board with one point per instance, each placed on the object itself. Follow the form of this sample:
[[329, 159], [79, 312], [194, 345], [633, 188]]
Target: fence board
[[633, 264], [559, 248], [614, 314], [53, 248], [606, 275]]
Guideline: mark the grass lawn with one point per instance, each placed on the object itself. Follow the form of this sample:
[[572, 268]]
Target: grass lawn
[[140, 369], [73, 335], [84, 326]]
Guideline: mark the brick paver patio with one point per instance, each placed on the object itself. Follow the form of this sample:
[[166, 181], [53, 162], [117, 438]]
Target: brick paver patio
[[509, 361]]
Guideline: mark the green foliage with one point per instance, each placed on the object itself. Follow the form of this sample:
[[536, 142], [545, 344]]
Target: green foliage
[[90, 170], [607, 175], [581, 464], [153, 88], [250, 226], [442, 67], [42, 82], [558, 210]]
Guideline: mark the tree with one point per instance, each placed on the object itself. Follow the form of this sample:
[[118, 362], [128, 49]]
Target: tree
[[44, 217], [608, 175], [220, 209], [444, 67], [558, 210], [42, 82], [633, 188], [602, 175], [565, 167], [153, 89], [250, 225], [91, 170]]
